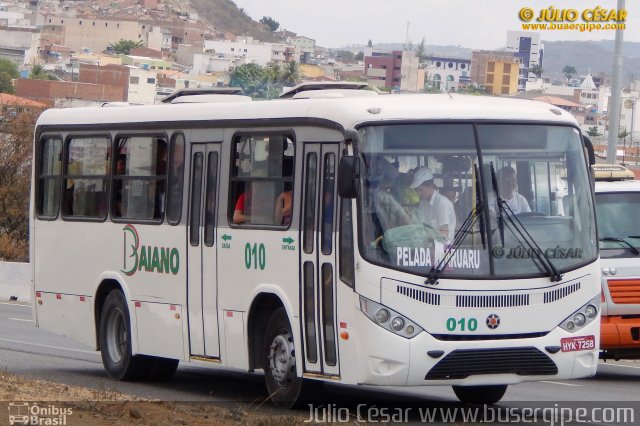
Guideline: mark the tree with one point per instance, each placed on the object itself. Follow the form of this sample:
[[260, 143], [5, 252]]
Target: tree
[[593, 131], [16, 137], [569, 71], [124, 46], [290, 75], [359, 56], [38, 73], [270, 22], [369, 43], [346, 55], [536, 70], [8, 72], [420, 49]]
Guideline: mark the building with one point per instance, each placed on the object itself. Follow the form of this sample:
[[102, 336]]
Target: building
[[94, 34], [497, 71], [11, 106], [244, 47], [19, 45], [306, 47], [526, 46], [447, 73], [395, 70]]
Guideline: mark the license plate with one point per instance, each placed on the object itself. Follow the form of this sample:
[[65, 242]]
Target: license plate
[[582, 343]]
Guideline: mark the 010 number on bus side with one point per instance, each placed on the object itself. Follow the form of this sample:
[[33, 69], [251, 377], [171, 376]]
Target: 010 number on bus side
[[463, 324], [255, 256]]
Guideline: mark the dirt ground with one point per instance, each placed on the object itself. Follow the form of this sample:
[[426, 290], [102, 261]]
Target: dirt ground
[[71, 405]]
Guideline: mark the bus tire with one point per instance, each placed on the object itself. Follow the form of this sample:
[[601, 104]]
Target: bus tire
[[280, 371], [480, 394], [115, 341]]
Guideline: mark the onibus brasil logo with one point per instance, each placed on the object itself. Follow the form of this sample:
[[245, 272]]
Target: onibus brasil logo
[[139, 257]]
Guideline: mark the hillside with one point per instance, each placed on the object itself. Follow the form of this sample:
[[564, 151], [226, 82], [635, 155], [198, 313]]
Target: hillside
[[585, 55], [225, 16]]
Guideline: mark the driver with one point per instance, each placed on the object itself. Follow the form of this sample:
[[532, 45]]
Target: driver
[[435, 209], [508, 186]]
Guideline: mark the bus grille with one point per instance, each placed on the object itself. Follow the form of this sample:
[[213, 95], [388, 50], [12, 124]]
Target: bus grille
[[553, 295], [624, 291], [422, 296], [462, 363], [499, 301]]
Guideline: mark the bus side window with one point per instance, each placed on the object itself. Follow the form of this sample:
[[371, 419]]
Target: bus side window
[[176, 179], [139, 187], [85, 179], [49, 177], [261, 180]]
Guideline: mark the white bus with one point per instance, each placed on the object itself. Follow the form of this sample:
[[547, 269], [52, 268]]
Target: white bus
[[299, 237]]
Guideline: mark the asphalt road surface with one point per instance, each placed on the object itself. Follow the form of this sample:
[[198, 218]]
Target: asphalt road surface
[[28, 351]]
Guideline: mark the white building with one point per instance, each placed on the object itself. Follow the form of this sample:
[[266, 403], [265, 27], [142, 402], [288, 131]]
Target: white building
[[142, 86], [248, 48], [630, 113], [526, 46], [206, 63], [447, 73]]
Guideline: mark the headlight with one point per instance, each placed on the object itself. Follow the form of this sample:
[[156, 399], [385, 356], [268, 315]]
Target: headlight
[[582, 316], [380, 315], [591, 311]]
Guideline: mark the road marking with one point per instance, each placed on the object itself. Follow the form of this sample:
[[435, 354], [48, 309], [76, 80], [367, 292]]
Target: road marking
[[619, 365], [560, 383], [49, 346], [15, 304], [20, 319]]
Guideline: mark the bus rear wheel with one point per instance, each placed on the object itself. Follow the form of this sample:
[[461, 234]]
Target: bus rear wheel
[[283, 384], [115, 341], [480, 394]]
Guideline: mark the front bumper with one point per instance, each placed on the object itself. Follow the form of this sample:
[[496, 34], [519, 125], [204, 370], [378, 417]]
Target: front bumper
[[392, 360]]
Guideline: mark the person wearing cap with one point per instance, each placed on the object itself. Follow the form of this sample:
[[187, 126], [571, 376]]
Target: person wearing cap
[[434, 208]]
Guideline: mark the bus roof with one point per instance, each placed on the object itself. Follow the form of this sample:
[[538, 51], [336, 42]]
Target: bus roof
[[347, 112]]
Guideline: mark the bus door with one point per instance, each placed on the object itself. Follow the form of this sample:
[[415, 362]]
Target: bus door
[[318, 259], [201, 253]]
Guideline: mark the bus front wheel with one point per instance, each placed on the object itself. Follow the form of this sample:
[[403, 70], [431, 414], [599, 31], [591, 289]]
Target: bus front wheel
[[283, 384], [115, 341], [480, 394]]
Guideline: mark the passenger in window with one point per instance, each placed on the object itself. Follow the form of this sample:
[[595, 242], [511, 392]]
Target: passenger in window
[[434, 209], [242, 211], [388, 210], [508, 191], [284, 208], [284, 204]]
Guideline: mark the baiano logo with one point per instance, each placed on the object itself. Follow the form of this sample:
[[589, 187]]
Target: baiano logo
[[138, 257]]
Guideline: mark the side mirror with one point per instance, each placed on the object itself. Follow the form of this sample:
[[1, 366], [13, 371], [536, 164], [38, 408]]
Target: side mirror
[[590, 151], [349, 176]]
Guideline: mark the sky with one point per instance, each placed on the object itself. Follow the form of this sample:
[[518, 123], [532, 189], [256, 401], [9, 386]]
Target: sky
[[476, 24]]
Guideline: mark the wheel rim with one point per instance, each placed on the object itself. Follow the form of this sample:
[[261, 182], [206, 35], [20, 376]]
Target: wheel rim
[[116, 335], [282, 361]]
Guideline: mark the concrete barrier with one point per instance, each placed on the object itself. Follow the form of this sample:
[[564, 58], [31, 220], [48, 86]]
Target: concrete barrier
[[15, 281]]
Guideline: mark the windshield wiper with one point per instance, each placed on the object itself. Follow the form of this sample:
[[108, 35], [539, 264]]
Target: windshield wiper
[[475, 215], [519, 229], [623, 241]]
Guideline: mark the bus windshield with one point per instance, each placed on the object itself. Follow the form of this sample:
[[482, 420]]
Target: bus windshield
[[618, 233], [476, 200]]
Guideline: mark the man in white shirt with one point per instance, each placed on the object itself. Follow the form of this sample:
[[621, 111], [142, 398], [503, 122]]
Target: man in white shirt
[[508, 185], [435, 209]]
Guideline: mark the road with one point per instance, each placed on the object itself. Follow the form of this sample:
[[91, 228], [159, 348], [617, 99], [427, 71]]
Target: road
[[35, 353]]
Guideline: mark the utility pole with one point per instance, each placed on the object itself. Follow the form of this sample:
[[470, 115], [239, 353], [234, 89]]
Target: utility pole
[[616, 86]]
